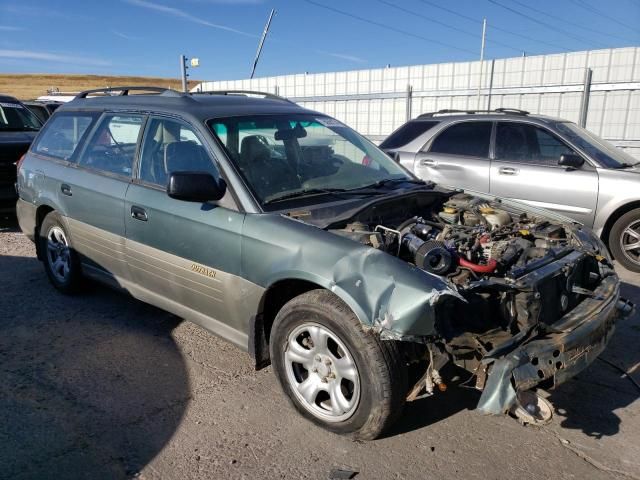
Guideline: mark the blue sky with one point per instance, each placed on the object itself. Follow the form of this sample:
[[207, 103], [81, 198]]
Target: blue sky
[[145, 37]]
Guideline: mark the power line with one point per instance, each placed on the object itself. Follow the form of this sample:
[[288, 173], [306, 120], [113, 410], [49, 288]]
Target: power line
[[503, 30], [568, 22], [597, 11], [544, 24], [444, 24], [389, 27]]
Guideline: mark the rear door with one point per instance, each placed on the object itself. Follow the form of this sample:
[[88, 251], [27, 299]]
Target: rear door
[[458, 156], [184, 256], [525, 167], [93, 193]]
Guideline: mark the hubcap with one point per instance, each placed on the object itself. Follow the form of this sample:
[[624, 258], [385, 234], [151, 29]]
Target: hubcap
[[58, 253], [322, 372], [630, 242]]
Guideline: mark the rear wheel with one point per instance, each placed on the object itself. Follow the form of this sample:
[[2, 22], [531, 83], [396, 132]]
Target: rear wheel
[[334, 372], [60, 260], [624, 240]]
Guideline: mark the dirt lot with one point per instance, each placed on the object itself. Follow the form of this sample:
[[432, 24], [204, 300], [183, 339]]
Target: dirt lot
[[27, 87], [103, 386]]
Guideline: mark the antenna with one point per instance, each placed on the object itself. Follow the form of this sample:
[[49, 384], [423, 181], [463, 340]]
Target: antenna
[[262, 39]]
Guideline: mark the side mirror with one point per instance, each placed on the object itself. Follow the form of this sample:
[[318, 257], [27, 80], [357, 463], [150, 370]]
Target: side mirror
[[571, 160], [195, 187]]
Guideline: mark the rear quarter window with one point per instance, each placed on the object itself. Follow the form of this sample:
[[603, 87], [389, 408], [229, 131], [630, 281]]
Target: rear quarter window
[[63, 134], [407, 133]]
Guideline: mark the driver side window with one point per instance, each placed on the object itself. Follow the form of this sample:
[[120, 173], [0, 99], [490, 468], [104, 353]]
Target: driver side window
[[113, 145], [524, 143], [172, 146]]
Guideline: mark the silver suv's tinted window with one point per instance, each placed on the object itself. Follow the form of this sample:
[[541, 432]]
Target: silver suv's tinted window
[[470, 139], [63, 133], [407, 133], [171, 146], [112, 147], [521, 142]]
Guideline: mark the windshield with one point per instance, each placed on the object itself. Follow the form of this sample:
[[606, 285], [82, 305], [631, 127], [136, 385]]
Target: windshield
[[599, 149], [288, 156], [15, 117]]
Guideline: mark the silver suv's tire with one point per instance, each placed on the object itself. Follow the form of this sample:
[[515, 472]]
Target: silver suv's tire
[[60, 259], [334, 372], [624, 240]]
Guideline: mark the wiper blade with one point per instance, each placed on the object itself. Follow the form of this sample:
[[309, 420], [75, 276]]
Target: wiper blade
[[318, 191], [390, 181]]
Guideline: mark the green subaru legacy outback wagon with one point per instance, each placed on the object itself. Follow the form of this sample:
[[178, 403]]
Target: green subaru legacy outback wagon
[[285, 232]]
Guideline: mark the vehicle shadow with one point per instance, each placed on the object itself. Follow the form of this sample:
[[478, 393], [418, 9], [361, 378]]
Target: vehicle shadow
[[8, 223], [587, 402], [93, 386]]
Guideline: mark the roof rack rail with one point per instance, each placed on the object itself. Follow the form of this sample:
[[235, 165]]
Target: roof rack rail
[[126, 89], [513, 111], [271, 96]]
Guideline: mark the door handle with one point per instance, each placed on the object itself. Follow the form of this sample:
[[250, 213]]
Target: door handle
[[428, 162], [507, 171], [139, 213], [65, 189]]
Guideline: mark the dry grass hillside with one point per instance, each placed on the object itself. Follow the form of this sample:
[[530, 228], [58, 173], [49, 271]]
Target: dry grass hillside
[[29, 86]]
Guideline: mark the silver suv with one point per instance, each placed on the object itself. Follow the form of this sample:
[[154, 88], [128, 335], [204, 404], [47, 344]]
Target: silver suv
[[542, 161]]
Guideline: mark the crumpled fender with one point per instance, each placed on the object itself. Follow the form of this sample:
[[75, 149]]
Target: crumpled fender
[[383, 291]]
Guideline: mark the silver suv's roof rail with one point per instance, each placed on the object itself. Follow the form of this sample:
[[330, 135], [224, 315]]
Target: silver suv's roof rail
[[271, 96], [512, 111], [121, 91]]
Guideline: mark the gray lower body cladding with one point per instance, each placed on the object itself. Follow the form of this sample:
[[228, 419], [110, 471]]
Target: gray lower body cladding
[[555, 356]]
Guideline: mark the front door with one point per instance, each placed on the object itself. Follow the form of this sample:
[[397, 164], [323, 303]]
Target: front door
[[184, 256], [526, 168]]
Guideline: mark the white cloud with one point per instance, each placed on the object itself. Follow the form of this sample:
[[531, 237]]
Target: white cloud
[[8, 28], [124, 35], [176, 12], [53, 57], [344, 56]]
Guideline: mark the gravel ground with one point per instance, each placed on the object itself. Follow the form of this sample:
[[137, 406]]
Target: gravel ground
[[103, 386]]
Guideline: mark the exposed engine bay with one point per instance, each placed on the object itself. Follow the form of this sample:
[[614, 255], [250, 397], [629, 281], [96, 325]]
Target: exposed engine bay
[[516, 274]]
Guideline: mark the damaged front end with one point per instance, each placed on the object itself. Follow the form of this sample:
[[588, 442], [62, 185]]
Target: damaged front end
[[523, 299]]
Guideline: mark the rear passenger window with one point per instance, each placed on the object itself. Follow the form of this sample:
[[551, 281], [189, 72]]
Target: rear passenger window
[[171, 146], [113, 145], [407, 133], [63, 134], [470, 139]]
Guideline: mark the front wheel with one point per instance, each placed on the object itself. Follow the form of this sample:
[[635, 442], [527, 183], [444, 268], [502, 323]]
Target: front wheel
[[335, 373], [624, 240]]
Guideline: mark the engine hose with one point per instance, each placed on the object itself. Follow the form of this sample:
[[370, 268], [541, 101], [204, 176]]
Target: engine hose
[[406, 223], [488, 268]]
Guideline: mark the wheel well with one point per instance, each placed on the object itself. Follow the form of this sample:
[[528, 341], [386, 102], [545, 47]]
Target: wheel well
[[276, 296], [41, 212], [613, 218]]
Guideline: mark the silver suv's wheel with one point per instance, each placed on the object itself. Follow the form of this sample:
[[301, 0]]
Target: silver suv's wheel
[[322, 372], [624, 240], [334, 372], [60, 259]]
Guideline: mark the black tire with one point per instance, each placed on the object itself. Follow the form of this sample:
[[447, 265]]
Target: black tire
[[382, 373], [629, 260], [72, 282]]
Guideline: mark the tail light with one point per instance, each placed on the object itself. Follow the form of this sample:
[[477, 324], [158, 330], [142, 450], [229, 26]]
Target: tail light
[[19, 162]]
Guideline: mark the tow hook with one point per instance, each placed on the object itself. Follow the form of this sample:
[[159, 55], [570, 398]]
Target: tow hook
[[531, 409]]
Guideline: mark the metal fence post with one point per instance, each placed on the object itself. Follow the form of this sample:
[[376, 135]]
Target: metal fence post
[[584, 104], [493, 64], [409, 100]]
